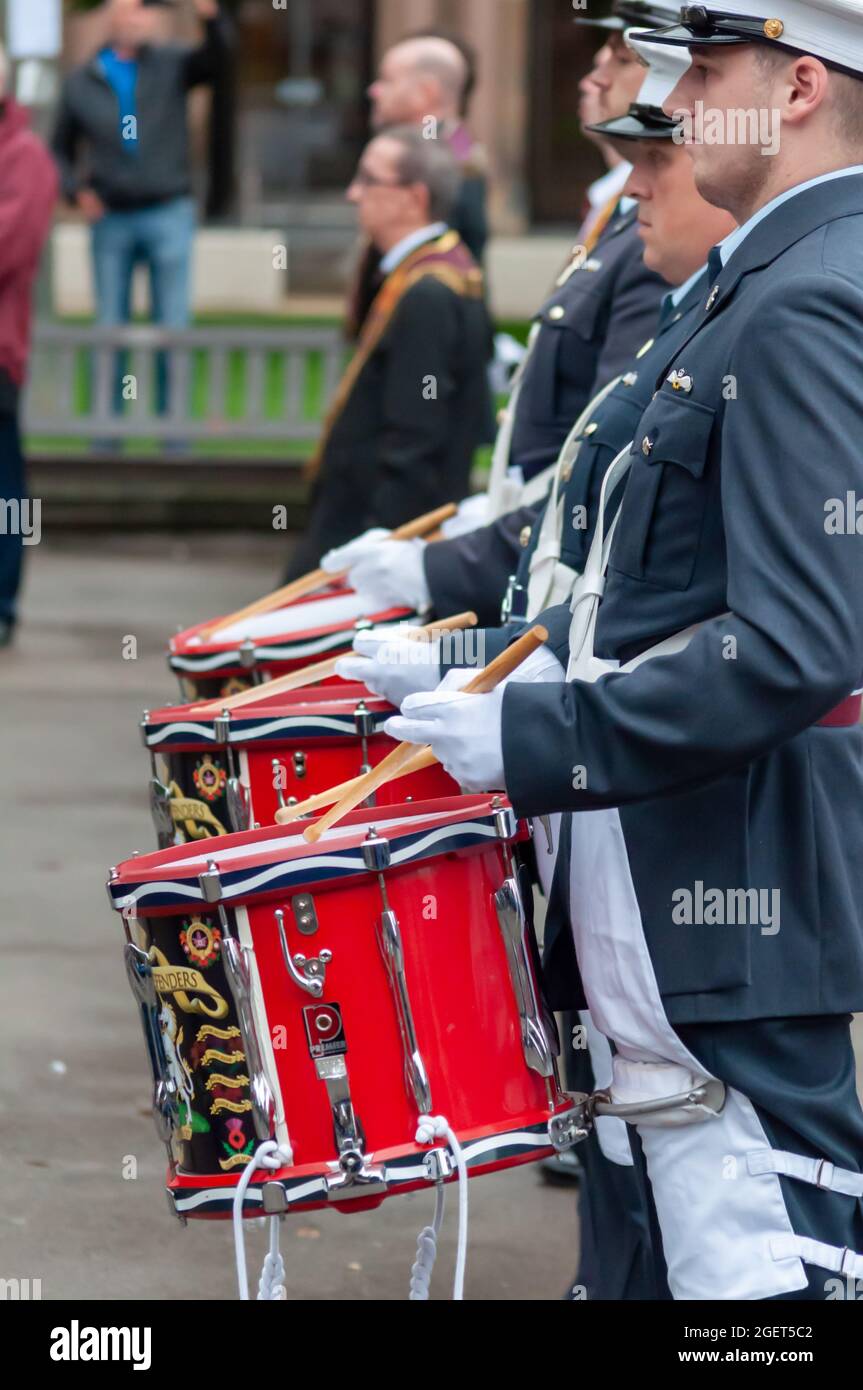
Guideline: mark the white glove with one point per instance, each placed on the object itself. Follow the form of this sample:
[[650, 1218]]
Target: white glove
[[393, 668], [390, 574], [464, 731], [472, 512], [344, 555]]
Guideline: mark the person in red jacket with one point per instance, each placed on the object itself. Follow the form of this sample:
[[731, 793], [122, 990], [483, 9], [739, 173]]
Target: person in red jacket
[[28, 191]]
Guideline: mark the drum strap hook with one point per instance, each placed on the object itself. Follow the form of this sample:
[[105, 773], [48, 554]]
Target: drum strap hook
[[438, 1127]]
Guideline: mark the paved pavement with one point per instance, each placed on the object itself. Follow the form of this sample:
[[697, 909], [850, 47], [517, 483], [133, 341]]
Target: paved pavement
[[73, 1079]]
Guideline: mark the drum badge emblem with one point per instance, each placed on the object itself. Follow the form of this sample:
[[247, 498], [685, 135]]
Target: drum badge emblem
[[210, 779], [201, 942]]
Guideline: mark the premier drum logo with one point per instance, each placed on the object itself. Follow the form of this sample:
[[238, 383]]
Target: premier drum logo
[[325, 1030], [77, 1343]]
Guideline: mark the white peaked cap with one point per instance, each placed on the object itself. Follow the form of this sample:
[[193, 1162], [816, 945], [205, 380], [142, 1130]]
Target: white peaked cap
[[828, 29], [665, 67]]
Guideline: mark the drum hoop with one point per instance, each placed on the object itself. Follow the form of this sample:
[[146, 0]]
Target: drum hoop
[[407, 1168], [305, 643], [260, 874], [280, 729]]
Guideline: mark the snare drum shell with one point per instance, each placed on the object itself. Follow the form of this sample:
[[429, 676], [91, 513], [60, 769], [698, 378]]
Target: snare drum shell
[[213, 668], [462, 1002], [311, 735]]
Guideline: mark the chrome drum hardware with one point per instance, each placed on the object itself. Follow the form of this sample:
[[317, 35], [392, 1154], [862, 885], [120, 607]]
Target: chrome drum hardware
[[165, 1108]]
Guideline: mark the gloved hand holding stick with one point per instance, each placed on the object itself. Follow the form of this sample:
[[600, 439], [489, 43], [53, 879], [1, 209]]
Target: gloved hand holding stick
[[405, 757]]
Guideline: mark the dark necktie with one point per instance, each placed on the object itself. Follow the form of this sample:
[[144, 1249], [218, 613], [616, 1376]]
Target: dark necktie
[[714, 265]]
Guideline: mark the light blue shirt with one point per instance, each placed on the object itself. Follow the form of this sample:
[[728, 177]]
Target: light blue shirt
[[122, 76], [731, 243], [677, 296], [403, 248]]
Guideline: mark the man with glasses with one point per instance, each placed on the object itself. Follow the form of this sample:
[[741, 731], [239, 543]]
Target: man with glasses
[[409, 413]]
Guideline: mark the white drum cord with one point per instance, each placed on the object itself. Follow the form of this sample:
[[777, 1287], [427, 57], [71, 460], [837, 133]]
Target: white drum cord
[[271, 1287], [423, 1267], [437, 1127]]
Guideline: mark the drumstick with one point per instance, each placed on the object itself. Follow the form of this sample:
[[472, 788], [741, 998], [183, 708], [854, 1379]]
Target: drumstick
[[322, 670], [398, 763], [482, 683], [315, 579]]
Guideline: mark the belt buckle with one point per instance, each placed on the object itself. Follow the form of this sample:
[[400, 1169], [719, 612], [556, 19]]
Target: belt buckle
[[823, 1178], [845, 1253]]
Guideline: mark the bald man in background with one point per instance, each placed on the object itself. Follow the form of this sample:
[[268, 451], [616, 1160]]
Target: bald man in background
[[426, 79]]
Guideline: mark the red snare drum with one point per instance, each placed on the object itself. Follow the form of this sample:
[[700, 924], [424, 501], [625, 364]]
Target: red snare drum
[[329, 995], [271, 644], [218, 773]]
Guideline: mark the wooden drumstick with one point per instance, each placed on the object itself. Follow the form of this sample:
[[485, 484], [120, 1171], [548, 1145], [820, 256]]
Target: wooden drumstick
[[316, 579], [482, 683], [322, 670]]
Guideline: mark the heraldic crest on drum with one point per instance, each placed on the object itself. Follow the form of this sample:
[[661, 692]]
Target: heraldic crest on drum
[[193, 820], [208, 1068]]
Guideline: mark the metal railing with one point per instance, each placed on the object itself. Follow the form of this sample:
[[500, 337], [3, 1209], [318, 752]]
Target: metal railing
[[217, 382]]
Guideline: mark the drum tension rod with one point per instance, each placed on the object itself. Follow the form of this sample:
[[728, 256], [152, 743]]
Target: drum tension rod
[[376, 856]]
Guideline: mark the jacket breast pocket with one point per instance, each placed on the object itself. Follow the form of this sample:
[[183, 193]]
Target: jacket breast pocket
[[564, 355], [663, 507]]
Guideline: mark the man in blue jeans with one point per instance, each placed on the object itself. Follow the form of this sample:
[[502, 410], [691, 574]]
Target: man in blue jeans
[[122, 142]]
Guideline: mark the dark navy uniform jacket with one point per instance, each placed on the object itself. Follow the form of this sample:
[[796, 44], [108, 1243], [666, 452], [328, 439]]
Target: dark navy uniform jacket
[[590, 329], [610, 428], [715, 755]]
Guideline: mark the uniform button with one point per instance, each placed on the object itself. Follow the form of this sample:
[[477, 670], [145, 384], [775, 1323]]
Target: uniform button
[[524, 536], [556, 312], [566, 473], [501, 416], [647, 446], [591, 429]]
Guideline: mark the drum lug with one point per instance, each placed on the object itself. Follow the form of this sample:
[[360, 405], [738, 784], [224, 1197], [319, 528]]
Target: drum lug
[[144, 726], [222, 728], [513, 924], [140, 974], [309, 972], [571, 1126], [505, 823], [247, 654], [210, 883], [299, 761], [390, 941], [438, 1165], [239, 981], [160, 811], [239, 804], [376, 851], [363, 722], [172, 1208], [275, 1198]]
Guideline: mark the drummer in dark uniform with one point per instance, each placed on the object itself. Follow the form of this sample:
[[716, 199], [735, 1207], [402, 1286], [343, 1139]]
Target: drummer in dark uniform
[[708, 736], [618, 1249], [409, 414]]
